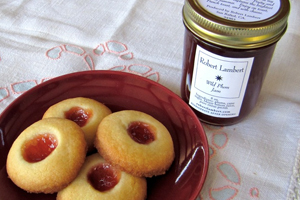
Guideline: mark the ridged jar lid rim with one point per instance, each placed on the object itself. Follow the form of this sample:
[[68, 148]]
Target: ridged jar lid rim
[[235, 34]]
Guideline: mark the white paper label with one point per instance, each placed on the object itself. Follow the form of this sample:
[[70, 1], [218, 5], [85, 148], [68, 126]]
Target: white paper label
[[219, 84], [242, 10]]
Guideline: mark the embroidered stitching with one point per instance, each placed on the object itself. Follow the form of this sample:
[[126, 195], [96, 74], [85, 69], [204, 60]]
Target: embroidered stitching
[[132, 70], [213, 128], [228, 189], [219, 139], [254, 192], [5, 91], [23, 86], [110, 46], [212, 152], [155, 76], [228, 173], [69, 48], [89, 61], [55, 52], [126, 56], [117, 46], [102, 51]]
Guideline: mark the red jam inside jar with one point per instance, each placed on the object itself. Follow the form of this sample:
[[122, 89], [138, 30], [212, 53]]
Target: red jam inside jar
[[141, 133], [103, 177], [259, 70], [38, 148], [226, 56], [78, 115]]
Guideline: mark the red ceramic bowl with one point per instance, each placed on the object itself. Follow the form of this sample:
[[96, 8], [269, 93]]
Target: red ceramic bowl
[[119, 91]]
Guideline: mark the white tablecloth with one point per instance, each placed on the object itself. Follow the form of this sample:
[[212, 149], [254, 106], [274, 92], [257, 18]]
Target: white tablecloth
[[258, 158]]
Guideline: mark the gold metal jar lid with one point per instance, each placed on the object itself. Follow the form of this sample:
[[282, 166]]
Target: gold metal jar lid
[[226, 22]]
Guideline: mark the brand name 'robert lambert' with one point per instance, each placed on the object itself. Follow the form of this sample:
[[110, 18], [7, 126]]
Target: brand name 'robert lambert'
[[232, 69]]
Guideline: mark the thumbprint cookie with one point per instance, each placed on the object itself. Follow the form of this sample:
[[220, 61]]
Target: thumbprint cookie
[[86, 112], [47, 155], [100, 180], [136, 142]]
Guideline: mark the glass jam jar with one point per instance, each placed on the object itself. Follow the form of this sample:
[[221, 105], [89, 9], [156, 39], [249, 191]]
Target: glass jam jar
[[228, 47]]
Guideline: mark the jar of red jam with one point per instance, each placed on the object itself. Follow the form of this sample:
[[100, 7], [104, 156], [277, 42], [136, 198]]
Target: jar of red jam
[[228, 46]]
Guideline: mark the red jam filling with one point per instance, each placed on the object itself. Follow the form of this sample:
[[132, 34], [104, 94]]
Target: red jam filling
[[140, 132], [78, 115], [103, 177], [39, 148]]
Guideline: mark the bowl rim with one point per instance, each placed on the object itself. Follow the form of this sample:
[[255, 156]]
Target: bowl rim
[[19, 99]]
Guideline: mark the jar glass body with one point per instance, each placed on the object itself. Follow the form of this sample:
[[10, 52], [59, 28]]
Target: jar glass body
[[262, 58]]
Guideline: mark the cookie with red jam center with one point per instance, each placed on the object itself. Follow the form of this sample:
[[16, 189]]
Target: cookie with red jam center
[[98, 179], [86, 112], [47, 155], [136, 142]]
